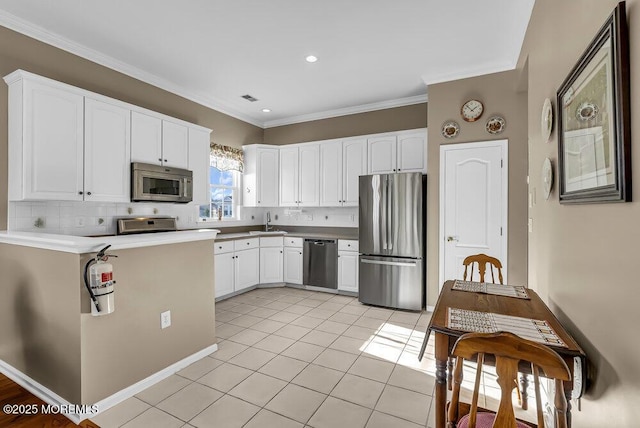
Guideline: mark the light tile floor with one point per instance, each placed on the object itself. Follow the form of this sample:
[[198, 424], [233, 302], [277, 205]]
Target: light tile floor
[[296, 358]]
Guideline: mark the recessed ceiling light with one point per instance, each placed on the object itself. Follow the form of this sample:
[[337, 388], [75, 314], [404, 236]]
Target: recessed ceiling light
[[266, 110], [311, 58]]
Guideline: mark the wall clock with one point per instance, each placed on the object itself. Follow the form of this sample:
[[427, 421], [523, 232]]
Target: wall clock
[[547, 178], [472, 110]]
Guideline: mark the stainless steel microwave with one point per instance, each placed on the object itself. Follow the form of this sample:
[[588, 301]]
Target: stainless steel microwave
[[155, 183]]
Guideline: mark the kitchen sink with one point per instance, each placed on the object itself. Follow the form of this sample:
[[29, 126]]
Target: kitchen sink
[[271, 232]]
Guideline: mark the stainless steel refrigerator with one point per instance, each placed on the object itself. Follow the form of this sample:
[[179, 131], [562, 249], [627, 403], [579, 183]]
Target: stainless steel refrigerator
[[391, 235]]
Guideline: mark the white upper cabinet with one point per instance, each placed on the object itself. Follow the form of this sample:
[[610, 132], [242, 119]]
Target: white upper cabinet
[[107, 145], [175, 145], [402, 152], [69, 144], [300, 175], [289, 177], [260, 176], [341, 163], [331, 173], [199, 150], [309, 171], [354, 164], [158, 142], [146, 137], [46, 142], [412, 153]]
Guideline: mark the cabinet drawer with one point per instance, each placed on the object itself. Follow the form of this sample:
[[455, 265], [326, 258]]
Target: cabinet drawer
[[245, 244], [347, 245], [293, 242], [271, 241], [223, 247]]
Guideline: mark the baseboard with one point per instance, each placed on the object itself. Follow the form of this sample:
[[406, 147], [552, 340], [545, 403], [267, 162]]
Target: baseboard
[[50, 397]]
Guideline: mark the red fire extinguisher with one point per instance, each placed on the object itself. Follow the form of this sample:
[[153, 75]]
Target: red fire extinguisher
[[98, 278]]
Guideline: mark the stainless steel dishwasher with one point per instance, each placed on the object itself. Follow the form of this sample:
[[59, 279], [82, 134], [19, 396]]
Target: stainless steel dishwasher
[[320, 263]]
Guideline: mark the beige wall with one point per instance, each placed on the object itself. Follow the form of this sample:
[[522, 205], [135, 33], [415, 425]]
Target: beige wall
[[19, 51], [47, 332], [39, 317], [583, 258], [498, 92], [373, 122]]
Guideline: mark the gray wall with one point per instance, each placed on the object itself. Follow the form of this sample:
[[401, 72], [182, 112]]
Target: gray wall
[[499, 94], [583, 259]]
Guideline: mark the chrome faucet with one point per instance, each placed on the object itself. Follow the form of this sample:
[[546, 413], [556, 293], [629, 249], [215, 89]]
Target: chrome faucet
[[268, 227]]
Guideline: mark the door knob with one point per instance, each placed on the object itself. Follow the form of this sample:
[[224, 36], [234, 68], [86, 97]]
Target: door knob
[[452, 238]]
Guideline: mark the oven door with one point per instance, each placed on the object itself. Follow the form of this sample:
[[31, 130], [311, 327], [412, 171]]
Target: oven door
[[161, 186]]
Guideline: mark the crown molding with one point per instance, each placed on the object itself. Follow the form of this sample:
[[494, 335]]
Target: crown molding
[[19, 25], [363, 108], [432, 79]]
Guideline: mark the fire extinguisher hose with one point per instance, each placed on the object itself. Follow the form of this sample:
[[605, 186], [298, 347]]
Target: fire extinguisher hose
[[100, 255]]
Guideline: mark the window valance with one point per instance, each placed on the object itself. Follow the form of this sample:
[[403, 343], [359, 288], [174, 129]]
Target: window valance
[[226, 158]]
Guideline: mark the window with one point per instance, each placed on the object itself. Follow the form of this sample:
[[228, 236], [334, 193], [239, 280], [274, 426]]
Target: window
[[224, 190]]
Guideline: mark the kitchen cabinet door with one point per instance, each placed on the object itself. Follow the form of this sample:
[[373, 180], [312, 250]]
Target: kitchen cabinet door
[[224, 276], [175, 145], [107, 151], [146, 138], [199, 163], [348, 271], [289, 177], [247, 268], [293, 265], [270, 265], [382, 155], [412, 156], [354, 164], [309, 172], [331, 173], [50, 154], [267, 173]]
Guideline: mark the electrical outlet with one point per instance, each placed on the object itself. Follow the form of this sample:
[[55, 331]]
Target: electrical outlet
[[165, 319]]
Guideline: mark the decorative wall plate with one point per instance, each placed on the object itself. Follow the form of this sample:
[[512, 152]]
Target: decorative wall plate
[[547, 177], [546, 120], [495, 125], [586, 111], [450, 129]]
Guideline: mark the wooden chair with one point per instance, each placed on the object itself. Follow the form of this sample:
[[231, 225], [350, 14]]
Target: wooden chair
[[509, 350], [482, 260]]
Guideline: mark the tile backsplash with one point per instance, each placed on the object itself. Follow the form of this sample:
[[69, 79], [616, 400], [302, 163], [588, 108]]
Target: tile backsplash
[[87, 218]]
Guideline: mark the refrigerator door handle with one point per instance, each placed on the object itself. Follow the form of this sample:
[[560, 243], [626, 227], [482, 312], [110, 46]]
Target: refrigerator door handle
[[388, 208], [381, 262]]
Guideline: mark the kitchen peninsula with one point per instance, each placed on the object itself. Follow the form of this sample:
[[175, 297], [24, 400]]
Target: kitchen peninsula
[[50, 340]]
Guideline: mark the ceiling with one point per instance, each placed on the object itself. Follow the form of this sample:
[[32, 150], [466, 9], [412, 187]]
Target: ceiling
[[372, 53]]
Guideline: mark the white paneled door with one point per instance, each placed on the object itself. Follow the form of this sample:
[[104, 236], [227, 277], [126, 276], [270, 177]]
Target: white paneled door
[[473, 204]]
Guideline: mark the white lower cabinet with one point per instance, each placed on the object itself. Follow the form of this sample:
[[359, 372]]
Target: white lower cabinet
[[348, 265], [293, 260], [271, 259], [236, 265]]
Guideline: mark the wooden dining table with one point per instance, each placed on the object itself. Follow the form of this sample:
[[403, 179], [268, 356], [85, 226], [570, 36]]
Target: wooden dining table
[[533, 308]]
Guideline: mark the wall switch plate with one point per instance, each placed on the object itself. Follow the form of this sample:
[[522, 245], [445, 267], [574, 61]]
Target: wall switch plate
[[530, 225], [165, 319]]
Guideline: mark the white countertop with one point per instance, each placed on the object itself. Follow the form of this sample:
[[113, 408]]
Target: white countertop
[[86, 244]]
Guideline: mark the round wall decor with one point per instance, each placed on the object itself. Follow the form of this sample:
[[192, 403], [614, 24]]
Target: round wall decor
[[547, 177], [450, 129], [495, 125], [546, 120]]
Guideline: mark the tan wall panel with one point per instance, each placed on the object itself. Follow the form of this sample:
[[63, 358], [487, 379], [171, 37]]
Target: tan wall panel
[[19, 51], [499, 96], [583, 259], [373, 122], [39, 317], [128, 345]]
